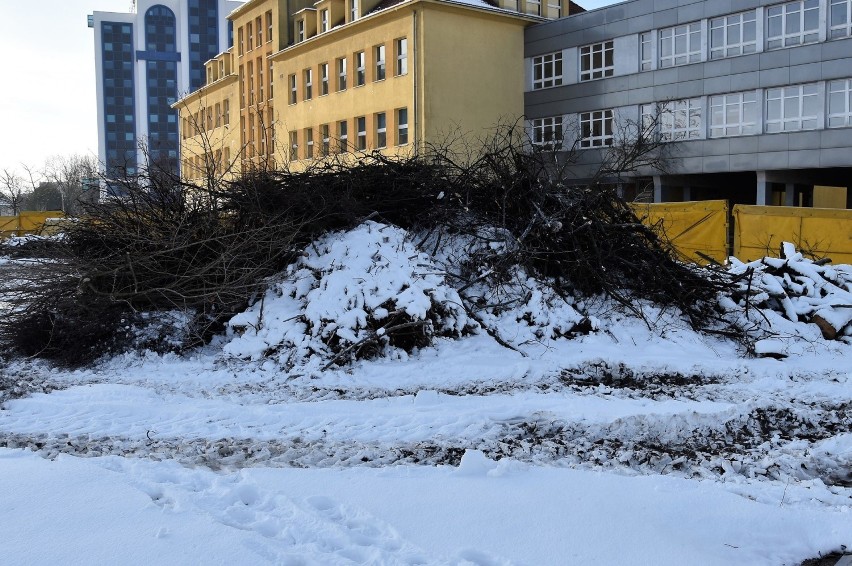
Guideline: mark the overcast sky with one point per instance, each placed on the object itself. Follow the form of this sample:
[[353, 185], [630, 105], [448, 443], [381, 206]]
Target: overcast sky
[[47, 98]]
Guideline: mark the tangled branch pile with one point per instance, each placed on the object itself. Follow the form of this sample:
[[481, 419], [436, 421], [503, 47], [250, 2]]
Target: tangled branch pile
[[183, 260]]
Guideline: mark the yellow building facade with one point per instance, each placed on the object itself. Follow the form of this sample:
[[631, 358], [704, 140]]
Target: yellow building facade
[[305, 80]]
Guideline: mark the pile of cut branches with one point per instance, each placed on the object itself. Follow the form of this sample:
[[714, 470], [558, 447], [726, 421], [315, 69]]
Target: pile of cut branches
[[190, 258]]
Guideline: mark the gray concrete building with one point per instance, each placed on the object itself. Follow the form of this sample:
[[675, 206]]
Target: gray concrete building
[[756, 94]]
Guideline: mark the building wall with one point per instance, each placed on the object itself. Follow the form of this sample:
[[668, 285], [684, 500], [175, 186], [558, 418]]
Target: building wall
[[823, 60], [472, 73]]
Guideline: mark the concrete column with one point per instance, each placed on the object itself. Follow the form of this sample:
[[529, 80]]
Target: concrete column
[[658, 188], [764, 189], [790, 195]]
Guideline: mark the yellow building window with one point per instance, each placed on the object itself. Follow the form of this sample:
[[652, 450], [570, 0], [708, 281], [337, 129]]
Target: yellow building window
[[323, 79], [308, 77], [361, 128], [402, 126], [360, 68], [341, 74], [343, 136], [294, 146], [309, 143], [249, 36], [268, 26], [291, 80], [326, 140], [381, 130], [379, 57], [401, 49]]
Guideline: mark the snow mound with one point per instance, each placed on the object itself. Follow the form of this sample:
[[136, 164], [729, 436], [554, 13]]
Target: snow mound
[[355, 294], [791, 302]]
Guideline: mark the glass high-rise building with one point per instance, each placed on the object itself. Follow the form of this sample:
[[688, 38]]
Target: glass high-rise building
[[144, 62]]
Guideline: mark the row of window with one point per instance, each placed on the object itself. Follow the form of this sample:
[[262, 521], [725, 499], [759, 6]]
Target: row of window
[[216, 162], [338, 138], [785, 25], [251, 35], [317, 81], [251, 77], [207, 119], [257, 133], [785, 109]]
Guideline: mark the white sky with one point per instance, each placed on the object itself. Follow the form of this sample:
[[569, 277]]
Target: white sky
[[47, 97]]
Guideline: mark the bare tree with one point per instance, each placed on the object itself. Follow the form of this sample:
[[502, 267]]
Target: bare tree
[[69, 174], [13, 190]]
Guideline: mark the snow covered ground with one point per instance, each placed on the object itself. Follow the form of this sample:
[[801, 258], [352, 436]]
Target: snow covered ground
[[627, 445]]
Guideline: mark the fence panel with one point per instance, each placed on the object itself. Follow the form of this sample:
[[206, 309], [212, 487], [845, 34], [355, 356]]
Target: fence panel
[[817, 232], [694, 228], [27, 222], [9, 226]]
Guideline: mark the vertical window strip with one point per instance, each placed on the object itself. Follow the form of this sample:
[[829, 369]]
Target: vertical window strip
[[840, 103], [840, 19]]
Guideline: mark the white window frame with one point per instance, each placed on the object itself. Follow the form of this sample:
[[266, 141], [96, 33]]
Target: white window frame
[[343, 135], [326, 140], [791, 102], [401, 56], [379, 53], [360, 68], [734, 24], [671, 53], [547, 70], [401, 127], [554, 9], [361, 133], [676, 120], [741, 102], [646, 51], [324, 79], [548, 132], [535, 6], [842, 117], [785, 13], [593, 61], [294, 145], [838, 29], [353, 13], [309, 83], [324, 20], [294, 89], [341, 74], [597, 128], [381, 130], [300, 31], [309, 143]]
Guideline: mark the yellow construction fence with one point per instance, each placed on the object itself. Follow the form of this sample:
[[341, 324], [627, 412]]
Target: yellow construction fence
[[817, 232], [28, 222], [698, 230]]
